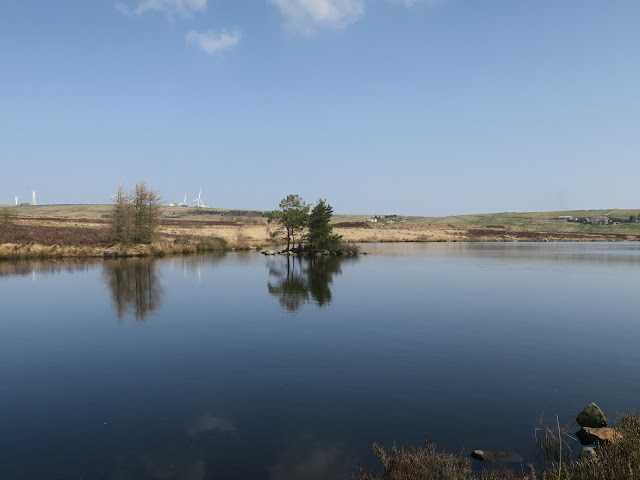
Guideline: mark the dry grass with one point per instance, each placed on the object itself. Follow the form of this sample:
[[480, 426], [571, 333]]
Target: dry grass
[[554, 442], [33, 236], [614, 461]]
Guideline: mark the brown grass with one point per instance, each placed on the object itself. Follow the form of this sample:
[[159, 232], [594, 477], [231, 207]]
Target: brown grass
[[615, 461], [31, 237], [49, 235]]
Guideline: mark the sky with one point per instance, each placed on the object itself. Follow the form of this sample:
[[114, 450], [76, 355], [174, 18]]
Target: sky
[[408, 107]]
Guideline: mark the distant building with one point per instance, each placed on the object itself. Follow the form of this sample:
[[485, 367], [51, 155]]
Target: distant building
[[600, 220], [568, 218], [373, 219]]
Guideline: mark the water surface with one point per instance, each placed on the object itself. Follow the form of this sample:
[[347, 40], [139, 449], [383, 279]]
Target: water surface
[[243, 366]]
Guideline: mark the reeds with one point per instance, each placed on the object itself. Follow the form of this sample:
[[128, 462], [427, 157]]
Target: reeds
[[552, 442], [614, 461]]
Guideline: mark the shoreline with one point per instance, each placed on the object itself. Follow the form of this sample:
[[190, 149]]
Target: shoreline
[[37, 252], [53, 238]]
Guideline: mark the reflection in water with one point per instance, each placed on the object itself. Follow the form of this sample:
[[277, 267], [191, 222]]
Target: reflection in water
[[170, 464], [135, 287], [208, 423], [9, 269], [313, 459], [299, 280]]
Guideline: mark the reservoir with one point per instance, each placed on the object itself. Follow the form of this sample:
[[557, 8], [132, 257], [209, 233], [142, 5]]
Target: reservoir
[[245, 366]]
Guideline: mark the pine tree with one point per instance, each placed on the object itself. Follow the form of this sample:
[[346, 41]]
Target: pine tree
[[321, 236]]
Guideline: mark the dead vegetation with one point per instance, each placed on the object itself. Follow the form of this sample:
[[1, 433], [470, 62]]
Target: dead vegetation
[[52, 235], [614, 461], [63, 237]]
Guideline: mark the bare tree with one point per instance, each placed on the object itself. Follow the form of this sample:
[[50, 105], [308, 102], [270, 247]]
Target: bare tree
[[136, 215], [121, 215]]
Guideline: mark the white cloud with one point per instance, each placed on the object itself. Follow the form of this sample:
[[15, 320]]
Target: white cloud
[[212, 42], [411, 3], [309, 15], [184, 8]]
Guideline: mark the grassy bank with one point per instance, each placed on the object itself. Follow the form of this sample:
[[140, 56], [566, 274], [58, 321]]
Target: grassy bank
[[81, 231], [13, 252], [614, 461]]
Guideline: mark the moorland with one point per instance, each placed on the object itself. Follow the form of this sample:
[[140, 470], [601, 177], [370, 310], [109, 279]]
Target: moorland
[[59, 231]]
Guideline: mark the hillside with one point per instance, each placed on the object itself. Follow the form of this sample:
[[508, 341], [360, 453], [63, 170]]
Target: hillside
[[536, 221]]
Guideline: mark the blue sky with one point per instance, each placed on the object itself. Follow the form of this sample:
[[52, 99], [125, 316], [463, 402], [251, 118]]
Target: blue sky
[[425, 107]]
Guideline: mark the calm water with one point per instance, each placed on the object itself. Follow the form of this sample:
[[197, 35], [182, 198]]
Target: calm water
[[250, 367]]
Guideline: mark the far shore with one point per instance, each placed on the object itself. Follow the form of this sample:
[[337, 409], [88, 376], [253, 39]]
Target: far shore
[[67, 233]]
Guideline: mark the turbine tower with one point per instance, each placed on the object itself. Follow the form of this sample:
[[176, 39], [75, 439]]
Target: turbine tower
[[33, 196], [184, 202], [199, 200], [15, 199]]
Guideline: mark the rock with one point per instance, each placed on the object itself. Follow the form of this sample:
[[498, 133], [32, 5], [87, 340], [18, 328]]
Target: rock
[[269, 252], [592, 416], [493, 456], [587, 452], [589, 436]]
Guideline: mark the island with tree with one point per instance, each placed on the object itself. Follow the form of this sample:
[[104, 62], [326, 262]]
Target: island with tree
[[295, 219]]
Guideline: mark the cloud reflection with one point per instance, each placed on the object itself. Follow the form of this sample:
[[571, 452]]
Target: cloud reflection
[[309, 458], [208, 423]]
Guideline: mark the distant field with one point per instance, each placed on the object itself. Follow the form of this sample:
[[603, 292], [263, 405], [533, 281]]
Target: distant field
[[97, 211], [531, 221], [82, 231]]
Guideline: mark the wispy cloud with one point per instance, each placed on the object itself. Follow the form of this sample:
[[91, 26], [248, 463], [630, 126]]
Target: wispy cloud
[[212, 42], [411, 3], [183, 8], [308, 16]]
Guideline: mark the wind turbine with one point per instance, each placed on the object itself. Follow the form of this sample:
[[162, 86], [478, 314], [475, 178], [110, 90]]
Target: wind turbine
[[33, 196], [184, 202], [15, 199], [199, 200]]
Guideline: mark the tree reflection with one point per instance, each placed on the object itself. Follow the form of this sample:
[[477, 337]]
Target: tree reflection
[[10, 269], [135, 287], [296, 281]]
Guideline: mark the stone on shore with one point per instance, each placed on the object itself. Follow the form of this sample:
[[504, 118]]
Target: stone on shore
[[592, 417], [589, 436], [587, 452], [493, 456]]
